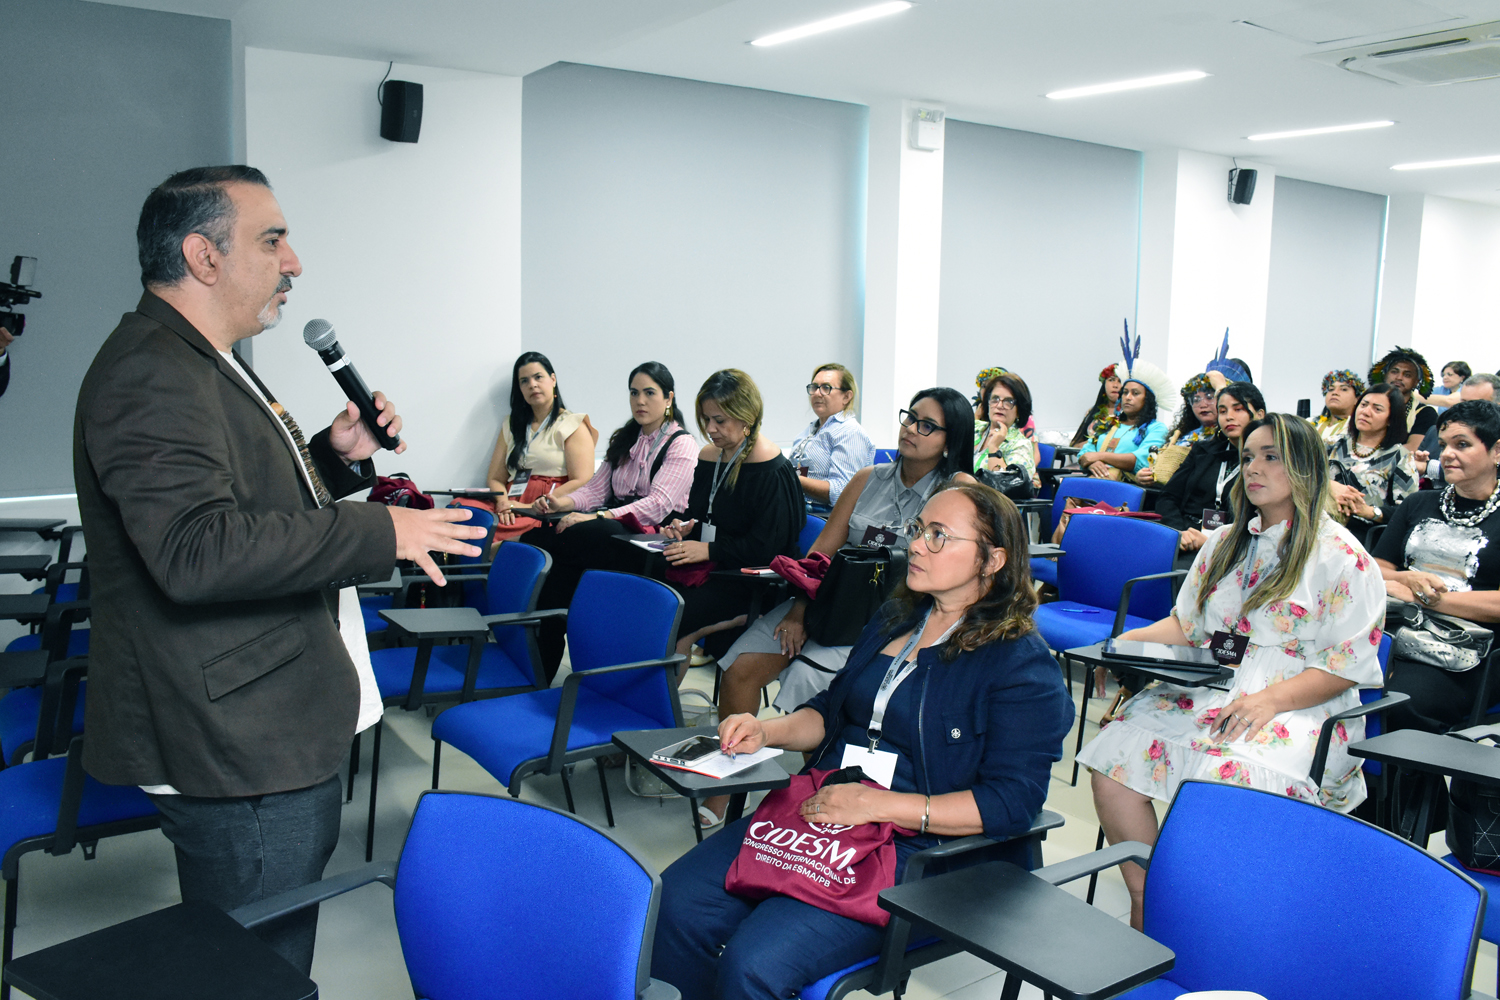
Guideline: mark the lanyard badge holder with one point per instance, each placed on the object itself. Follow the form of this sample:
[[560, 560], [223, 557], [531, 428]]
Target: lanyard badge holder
[[708, 532], [880, 765], [523, 476]]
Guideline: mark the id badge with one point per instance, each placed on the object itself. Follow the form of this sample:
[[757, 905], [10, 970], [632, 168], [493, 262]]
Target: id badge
[[877, 536], [518, 484], [1229, 649], [708, 534], [879, 765], [804, 471], [1214, 518]]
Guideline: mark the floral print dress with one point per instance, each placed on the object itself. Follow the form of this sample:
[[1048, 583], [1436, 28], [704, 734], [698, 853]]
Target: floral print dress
[[1331, 622]]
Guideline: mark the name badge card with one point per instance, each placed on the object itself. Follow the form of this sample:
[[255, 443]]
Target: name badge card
[[708, 534], [876, 536], [1214, 518], [1229, 649], [879, 765], [518, 484]]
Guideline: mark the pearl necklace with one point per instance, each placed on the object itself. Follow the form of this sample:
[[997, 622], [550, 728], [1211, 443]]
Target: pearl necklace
[[1467, 520]]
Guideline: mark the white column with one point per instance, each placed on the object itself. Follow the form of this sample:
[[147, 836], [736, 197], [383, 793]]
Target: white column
[[903, 267], [1398, 275], [1205, 262]]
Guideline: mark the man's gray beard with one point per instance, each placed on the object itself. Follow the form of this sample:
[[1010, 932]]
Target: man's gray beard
[[269, 316]]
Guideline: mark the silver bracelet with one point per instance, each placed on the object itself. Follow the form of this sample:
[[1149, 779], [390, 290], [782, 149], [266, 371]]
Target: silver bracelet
[[926, 815]]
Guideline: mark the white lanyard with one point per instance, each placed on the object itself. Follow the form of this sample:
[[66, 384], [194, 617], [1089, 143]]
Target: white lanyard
[[532, 435], [719, 474], [896, 673], [1227, 472]]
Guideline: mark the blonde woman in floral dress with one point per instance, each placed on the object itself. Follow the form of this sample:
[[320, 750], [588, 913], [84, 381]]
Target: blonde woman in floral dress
[[1311, 603]]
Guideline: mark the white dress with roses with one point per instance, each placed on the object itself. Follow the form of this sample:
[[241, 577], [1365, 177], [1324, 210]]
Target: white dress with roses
[[1332, 621]]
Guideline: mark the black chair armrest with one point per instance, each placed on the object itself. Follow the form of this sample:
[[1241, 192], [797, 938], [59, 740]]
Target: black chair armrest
[[1477, 733], [1119, 625], [916, 865], [23, 668], [526, 617], [257, 913], [1325, 735], [564, 724], [1076, 868]]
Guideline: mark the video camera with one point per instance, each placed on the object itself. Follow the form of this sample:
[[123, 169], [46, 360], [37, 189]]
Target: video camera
[[17, 292]]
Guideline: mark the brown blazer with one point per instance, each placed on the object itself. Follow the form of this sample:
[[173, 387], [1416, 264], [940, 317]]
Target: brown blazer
[[215, 663]]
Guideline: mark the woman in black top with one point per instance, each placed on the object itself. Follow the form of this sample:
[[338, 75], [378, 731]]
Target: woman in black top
[[744, 509], [1442, 551], [1204, 479]]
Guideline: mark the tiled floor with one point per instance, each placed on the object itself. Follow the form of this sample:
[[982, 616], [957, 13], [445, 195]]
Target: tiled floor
[[359, 957]]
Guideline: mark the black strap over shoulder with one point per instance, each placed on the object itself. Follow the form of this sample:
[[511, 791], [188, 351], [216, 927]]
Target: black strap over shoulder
[[661, 455]]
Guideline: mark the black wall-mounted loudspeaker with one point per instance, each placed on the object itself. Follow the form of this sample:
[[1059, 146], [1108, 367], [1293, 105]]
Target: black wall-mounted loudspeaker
[[1304, 408], [1241, 181], [401, 111]]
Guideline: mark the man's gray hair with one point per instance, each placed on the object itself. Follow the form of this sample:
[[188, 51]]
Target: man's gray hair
[[1484, 378]]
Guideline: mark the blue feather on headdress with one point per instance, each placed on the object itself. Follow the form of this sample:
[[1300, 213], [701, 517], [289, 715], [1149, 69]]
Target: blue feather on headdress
[[1224, 366], [1130, 357]]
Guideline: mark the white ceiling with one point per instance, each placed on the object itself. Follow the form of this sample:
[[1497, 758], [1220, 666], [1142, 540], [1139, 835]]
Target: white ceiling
[[987, 61]]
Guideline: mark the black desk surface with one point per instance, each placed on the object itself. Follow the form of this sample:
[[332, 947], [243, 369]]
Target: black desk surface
[[25, 565], [1012, 919], [23, 605], [642, 743], [37, 524], [1434, 753], [439, 622], [185, 952], [22, 668], [1155, 671], [1045, 550]]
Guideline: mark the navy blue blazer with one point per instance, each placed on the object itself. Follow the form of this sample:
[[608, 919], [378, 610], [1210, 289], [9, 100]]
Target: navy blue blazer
[[991, 721]]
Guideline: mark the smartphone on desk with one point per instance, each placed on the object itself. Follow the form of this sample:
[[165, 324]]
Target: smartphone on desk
[[689, 751]]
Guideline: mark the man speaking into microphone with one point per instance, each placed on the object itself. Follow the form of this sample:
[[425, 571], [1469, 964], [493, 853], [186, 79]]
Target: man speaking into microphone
[[227, 672]]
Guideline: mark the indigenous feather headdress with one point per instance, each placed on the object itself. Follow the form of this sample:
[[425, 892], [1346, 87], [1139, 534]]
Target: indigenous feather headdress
[[1225, 365], [1424, 371], [1153, 378]]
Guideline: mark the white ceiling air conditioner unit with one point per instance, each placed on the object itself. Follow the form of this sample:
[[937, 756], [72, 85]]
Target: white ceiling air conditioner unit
[[1457, 55]]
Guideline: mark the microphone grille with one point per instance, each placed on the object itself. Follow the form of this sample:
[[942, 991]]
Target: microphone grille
[[318, 334]]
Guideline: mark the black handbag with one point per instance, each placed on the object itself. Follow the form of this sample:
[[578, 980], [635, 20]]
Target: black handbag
[[859, 580], [1011, 480], [1474, 816]]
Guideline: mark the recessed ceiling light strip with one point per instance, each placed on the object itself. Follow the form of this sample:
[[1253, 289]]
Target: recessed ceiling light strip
[[1325, 130], [1136, 84], [1468, 161], [834, 23]]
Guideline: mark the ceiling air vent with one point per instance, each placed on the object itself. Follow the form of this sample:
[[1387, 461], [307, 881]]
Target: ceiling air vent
[[1454, 56]]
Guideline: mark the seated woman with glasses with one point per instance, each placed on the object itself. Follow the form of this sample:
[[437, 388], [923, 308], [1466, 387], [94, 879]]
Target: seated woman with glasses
[[1442, 551], [879, 500], [744, 508], [1452, 375], [834, 447], [1197, 421], [1302, 605], [1103, 409], [1001, 441], [1341, 390], [1371, 468], [972, 719], [1123, 447]]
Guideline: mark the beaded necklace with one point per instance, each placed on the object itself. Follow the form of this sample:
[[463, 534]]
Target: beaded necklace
[[1467, 520]]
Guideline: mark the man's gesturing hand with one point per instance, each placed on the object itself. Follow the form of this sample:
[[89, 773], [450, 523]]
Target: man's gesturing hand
[[419, 532]]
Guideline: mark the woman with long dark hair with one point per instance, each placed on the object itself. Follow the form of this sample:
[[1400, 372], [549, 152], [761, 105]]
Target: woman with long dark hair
[[974, 719], [879, 497], [643, 481], [1205, 481], [1372, 468], [544, 448], [1102, 411], [1124, 448], [1303, 602]]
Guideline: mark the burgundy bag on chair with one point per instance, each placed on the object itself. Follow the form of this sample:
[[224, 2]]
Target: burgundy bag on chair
[[399, 491], [840, 869]]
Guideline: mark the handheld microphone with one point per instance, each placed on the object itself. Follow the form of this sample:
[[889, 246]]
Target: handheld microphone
[[318, 334]]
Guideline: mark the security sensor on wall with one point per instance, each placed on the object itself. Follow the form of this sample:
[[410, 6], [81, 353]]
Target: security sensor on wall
[[927, 129]]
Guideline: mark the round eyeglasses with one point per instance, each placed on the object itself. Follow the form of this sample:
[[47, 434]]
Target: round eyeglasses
[[1004, 402], [932, 536]]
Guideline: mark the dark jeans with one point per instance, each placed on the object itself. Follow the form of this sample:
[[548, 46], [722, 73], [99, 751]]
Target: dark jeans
[[236, 851], [715, 946]]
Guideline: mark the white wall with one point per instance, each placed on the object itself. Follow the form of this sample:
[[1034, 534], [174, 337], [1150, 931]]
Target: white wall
[[1457, 309], [1320, 310], [695, 224], [412, 251], [1039, 262]]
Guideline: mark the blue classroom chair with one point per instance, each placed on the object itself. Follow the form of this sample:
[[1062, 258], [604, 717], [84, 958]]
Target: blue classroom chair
[[622, 633], [1124, 495]]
